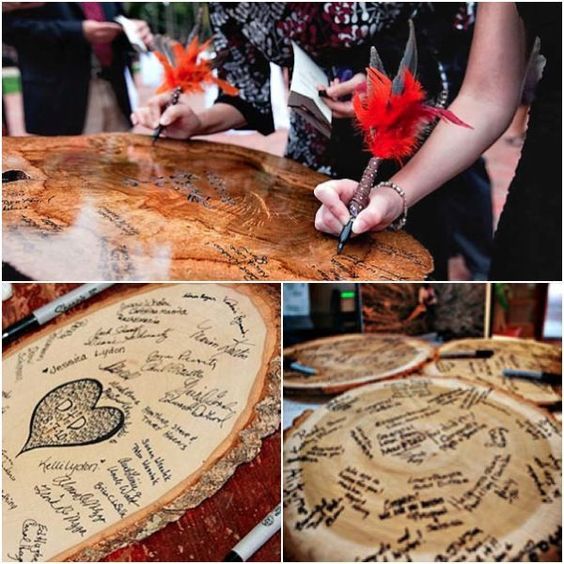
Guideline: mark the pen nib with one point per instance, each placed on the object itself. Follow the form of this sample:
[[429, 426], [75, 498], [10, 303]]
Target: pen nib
[[345, 235]]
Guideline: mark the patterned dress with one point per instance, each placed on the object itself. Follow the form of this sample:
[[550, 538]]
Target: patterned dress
[[338, 36]]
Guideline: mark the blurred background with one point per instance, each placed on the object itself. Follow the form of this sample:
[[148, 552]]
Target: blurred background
[[174, 19], [439, 312]]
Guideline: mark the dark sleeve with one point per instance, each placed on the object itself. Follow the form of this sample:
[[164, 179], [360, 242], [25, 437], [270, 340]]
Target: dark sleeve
[[23, 26], [245, 68]]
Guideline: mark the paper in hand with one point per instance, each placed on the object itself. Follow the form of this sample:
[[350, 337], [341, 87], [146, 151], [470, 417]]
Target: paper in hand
[[304, 97], [131, 34]]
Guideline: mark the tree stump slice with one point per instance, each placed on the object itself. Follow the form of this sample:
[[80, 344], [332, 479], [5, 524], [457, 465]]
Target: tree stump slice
[[423, 469], [347, 361], [123, 417], [114, 207], [508, 353]]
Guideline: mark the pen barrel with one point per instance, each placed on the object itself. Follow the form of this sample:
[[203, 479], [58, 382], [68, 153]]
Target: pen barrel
[[175, 97], [64, 303], [546, 377], [19, 328], [361, 197], [259, 535]]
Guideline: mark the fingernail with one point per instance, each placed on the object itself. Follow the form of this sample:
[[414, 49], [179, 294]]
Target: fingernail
[[359, 226], [165, 120]]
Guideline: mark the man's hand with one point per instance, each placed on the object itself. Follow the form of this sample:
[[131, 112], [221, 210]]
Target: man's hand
[[144, 31], [100, 32], [180, 121]]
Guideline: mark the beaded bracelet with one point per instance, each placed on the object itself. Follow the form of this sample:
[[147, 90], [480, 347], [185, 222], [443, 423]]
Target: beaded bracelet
[[400, 221]]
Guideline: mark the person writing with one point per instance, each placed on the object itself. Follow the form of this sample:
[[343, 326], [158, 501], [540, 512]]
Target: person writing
[[338, 36], [528, 240]]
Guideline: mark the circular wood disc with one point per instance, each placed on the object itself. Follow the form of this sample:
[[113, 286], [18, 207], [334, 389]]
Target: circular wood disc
[[177, 210], [509, 353], [423, 469], [122, 418], [347, 361]]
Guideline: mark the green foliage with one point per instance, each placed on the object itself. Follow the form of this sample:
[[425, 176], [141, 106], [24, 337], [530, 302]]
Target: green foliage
[[175, 19]]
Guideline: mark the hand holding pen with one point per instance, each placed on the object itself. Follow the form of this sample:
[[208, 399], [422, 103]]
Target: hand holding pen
[[392, 114], [187, 68], [173, 101]]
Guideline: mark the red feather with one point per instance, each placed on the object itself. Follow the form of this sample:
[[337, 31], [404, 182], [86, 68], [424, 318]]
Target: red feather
[[191, 71], [392, 123]]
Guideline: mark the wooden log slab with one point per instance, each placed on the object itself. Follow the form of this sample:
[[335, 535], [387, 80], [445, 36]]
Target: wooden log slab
[[424, 470], [121, 418], [508, 353], [347, 361], [114, 207]]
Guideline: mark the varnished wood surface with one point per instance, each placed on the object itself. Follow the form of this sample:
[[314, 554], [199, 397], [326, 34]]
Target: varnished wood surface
[[114, 207], [524, 354], [423, 470], [346, 361], [207, 532]]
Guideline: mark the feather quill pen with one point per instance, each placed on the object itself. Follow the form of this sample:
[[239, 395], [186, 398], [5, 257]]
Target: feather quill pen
[[186, 69], [392, 115]]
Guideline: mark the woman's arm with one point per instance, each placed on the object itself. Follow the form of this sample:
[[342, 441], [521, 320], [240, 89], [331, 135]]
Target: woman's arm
[[243, 66], [182, 122], [487, 101]]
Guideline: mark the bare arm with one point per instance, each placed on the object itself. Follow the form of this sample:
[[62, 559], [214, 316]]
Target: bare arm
[[182, 122], [220, 117], [487, 101]]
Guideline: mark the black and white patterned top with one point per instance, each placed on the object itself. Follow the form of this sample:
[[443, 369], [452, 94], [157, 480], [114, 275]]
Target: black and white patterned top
[[338, 36]]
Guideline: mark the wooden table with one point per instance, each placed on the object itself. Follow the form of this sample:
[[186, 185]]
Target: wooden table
[[209, 531], [114, 207]]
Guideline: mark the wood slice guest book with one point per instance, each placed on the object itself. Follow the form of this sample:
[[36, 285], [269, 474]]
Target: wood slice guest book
[[346, 361], [423, 469], [508, 353], [120, 419], [114, 207]]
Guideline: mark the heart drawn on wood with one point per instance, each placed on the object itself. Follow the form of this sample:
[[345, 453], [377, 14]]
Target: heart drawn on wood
[[68, 416], [162, 391]]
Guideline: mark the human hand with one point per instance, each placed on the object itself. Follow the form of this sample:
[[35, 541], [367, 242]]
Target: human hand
[[144, 32], [384, 207], [100, 32], [337, 90], [180, 121]]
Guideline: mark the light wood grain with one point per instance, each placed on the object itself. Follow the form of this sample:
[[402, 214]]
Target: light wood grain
[[423, 469], [508, 353], [113, 207], [190, 470], [346, 361]]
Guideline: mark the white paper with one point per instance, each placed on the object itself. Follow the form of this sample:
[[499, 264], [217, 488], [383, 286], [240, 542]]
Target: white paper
[[131, 33], [306, 77]]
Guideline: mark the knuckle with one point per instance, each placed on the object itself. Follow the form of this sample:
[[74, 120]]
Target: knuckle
[[319, 223], [321, 190]]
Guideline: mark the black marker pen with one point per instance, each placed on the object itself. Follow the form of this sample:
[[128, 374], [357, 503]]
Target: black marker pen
[[479, 353], [47, 312], [536, 375]]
